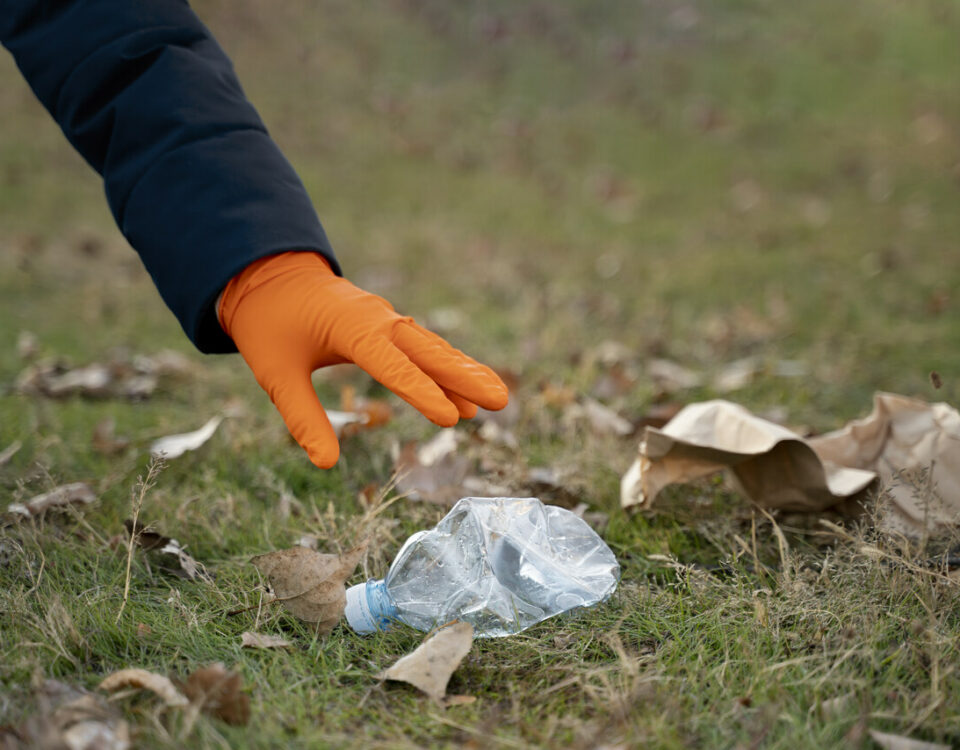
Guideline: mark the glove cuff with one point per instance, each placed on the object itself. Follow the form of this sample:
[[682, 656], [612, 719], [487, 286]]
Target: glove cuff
[[260, 272]]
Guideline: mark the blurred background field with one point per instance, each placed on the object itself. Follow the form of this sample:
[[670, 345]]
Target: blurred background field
[[695, 182]]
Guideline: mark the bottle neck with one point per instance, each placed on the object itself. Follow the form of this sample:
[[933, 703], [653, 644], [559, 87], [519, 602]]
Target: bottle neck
[[381, 604]]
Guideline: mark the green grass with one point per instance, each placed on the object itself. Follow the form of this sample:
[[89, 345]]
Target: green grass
[[697, 181]]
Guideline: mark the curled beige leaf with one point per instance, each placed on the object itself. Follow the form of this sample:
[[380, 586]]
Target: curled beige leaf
[[430, 666], [262, 640], [67, 494], [141, 678], [173, 446]]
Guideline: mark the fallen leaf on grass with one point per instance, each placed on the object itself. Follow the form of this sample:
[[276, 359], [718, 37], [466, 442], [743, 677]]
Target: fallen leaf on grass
[[670, 376], [440, 481], [430, 666], [219, 693], [558, 483], [495, 434], [368, 413], [898, 742], [310, 583], [144, 680], [340, 420], [173, 558], [173, 446], [907, 445], [262, 640], [68, 718], [602, 419], [441, 445], [67, 494], [104, 438], [736, 375], [615, 382], [9, 452]]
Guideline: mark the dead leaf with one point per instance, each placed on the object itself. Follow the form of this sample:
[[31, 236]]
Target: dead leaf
[[493, 433], [615, 382], [898, 742], [173, 446], [9, 452], [430, 666], [736, 375], [557, 395], [310, 584], [172, 557], [559, 483], [935, 380], [602, 419], [67, 494], [372, 413], [440, 482], [262, 640], [340, 420], [104, 438], [219, 693], [438, 447], [144, 680], [68, 718], [669, 376]]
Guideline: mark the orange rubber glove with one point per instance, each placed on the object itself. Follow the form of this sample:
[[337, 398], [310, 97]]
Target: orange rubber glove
[[289, 314]]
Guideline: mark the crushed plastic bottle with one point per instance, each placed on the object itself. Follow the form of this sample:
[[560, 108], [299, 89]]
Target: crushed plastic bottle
[[500, 563]]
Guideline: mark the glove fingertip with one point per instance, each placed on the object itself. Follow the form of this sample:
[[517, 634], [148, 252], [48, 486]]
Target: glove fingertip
[[324, 457]]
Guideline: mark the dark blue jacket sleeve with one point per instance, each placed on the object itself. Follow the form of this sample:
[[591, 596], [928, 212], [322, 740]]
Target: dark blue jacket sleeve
[[151, 101]]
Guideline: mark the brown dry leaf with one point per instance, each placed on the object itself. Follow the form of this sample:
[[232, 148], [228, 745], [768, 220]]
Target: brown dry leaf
[[171, 556], [440, 482], [146, 538], [262, 640], [557, 395], [310, 583], [67, 494], [370, 413], [615, 382], [173, 446], [429, 667], [898, 742], [141, 678], [104, 438], [219, 693], [122, 378], [68, 718]]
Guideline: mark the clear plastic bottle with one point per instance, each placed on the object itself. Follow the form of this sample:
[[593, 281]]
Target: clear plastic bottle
[[500, 563]]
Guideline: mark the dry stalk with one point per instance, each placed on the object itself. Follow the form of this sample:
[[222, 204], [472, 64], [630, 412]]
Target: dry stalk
[[138, 495]]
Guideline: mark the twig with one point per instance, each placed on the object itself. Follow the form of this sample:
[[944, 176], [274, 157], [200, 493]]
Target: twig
[[140, 490]]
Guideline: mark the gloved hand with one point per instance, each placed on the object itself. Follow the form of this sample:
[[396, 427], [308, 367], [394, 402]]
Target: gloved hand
[[289, 314]]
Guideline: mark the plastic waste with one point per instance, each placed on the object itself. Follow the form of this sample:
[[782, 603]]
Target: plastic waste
[[500, 563]]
